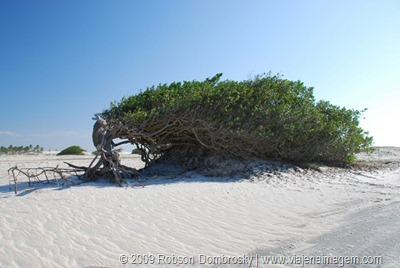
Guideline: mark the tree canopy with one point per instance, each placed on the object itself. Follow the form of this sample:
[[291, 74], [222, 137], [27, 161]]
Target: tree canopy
[[266, 116]]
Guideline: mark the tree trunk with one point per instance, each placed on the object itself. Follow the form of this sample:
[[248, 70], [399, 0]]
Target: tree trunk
[[109, 163]]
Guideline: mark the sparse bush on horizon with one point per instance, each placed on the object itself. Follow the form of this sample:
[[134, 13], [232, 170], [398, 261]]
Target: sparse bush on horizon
[[266, 116], [136, 151], [72, 150]]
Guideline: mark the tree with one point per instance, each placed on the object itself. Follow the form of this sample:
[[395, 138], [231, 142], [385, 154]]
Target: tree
[[265, 117]]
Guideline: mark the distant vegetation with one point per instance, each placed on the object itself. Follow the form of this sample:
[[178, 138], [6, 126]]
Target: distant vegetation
[[136, 151], [20, 149], [266, 116], [72, 150]]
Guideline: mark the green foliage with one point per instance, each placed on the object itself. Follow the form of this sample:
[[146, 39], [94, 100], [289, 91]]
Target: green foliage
[[72, 150], [20, 149], [136, 151], [96, 153], [267, 116]]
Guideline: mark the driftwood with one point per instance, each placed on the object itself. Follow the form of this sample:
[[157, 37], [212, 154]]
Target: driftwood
[[41, 174]]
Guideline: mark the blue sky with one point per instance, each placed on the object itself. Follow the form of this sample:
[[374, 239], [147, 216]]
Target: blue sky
[[63, 61]]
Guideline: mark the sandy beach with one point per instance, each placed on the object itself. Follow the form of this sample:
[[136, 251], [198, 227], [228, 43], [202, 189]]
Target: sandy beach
[[290, 216]]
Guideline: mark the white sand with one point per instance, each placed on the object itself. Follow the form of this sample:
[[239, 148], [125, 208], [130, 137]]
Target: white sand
[[288, 213]]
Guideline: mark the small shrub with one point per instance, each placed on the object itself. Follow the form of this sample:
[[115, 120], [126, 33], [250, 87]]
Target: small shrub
[[72, 150], [136, 151]]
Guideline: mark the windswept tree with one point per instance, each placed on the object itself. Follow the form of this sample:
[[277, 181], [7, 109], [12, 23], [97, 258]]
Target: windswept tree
[[265, 117]]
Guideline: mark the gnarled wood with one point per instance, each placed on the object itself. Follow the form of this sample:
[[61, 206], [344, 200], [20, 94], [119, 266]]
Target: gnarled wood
[[109, 162]]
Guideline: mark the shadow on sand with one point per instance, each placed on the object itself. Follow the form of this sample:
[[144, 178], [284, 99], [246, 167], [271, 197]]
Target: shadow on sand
[[160, 174]]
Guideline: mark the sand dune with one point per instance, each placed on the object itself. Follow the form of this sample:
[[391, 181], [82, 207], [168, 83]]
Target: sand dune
[[203, 220]]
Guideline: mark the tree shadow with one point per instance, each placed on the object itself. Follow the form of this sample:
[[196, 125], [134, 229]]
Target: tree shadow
[[161, 174], [25, 187]]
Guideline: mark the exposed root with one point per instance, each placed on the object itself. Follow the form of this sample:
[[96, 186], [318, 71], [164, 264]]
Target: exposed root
[[106, 163]]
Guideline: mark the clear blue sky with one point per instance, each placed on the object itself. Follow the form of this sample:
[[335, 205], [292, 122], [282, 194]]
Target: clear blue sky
[[63, 61]]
